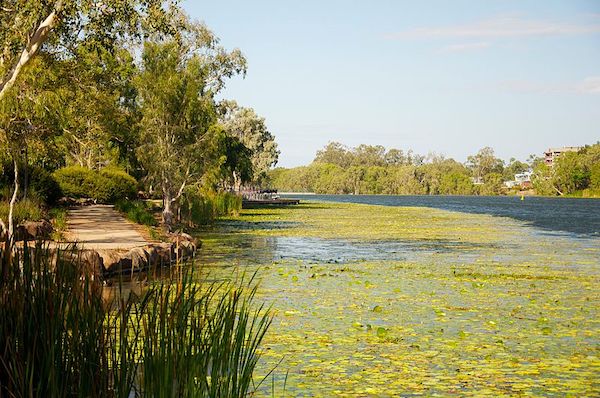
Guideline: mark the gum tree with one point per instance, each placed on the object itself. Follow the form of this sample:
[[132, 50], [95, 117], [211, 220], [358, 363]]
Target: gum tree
[[30, 28], [179, 78], [251, 130]]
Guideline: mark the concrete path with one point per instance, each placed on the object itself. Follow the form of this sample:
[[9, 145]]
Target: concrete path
[[101, 227]]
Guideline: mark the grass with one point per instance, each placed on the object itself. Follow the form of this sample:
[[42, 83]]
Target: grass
[[178, 338], [58, 215], [24, 210], [204, 209], [136, 211]]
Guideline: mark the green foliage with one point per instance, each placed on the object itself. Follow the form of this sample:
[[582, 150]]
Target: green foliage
[[136, 211], [514, 167], [456, 184], [252, 132], [485, 162], [106, 186], [542, 180], [595, 176], [203, 208], [25, 210], [570, 173], [394, 176], [59, 338], [176, 85], [58, 216], [41, 185], [492, 184], [122, 184], [77, 182], [365, 155], [236, 166]]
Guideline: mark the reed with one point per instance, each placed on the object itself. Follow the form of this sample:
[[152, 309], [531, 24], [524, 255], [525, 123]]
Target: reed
[[204, 208], [178, 338]]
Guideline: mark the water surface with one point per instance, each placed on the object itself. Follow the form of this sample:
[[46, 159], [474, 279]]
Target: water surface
[[377, 301], [579, 216]]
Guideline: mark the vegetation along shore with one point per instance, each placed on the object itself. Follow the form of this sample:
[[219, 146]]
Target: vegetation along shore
[[146, 249]]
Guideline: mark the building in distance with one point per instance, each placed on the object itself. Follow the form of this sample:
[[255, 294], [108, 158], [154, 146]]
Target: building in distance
[[553, 153]]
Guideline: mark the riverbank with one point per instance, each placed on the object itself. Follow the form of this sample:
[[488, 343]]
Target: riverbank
[[381, 301]]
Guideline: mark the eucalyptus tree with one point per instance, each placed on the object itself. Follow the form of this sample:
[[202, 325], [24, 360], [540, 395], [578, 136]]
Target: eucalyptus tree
[[252, 131], [335, 153], [30, 116], [177, 84], [236, 162], [59, 28], [28, 27], [100, 122], [485, 162]]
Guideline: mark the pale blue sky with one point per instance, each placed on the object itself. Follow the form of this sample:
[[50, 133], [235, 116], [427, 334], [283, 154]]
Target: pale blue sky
[[442, 76]]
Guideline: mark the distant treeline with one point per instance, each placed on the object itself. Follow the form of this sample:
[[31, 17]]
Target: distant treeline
[[367, 169]]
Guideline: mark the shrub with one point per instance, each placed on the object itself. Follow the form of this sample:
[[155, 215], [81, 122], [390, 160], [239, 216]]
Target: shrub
[[25, 210], [136, 211], [76, 181], [123, 185], [105, 186], [41, 185]]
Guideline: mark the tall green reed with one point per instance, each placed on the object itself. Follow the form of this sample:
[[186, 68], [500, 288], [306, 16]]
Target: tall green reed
[[178, 338]]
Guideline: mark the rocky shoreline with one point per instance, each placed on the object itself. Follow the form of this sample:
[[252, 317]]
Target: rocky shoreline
[[107, 262]]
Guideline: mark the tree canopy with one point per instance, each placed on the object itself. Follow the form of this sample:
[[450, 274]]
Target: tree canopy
[[129, 85]]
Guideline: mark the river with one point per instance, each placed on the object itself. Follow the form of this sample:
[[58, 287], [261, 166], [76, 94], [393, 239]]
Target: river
[[466, 296], [579, 216]]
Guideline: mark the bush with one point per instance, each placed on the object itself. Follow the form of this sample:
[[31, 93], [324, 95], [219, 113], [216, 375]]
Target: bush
[[41, 185], [76, 181], [25, 210], [105, 186], [123, 185], [136, 211], [44, 185]]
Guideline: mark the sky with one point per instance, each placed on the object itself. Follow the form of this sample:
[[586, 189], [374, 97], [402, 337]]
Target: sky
[[448, 77]]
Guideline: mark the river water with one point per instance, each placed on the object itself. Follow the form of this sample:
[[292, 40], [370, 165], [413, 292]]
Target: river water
[[578, 216], [423, 296]]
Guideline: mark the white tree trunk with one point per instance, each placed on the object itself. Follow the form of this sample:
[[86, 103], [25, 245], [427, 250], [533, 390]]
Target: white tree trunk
[[35, 43], [13, 200], [167, 214]]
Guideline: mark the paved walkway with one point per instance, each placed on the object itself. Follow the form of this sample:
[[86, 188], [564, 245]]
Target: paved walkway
[[102, 227]]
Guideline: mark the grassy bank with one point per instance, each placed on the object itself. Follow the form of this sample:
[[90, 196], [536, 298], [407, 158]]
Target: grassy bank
[[387, 301], [137, 211]]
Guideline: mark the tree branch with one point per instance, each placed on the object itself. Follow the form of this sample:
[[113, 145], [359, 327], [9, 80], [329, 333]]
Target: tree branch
[[33, 46], [182, 187]]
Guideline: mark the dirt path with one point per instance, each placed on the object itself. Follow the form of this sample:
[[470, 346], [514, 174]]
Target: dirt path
[[102, 227]]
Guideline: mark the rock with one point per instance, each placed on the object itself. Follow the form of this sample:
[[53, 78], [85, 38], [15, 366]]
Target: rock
[[84, 202], [38, 229], [21, 233], [184, 250], [87, 260], [181, 237], [66, 201], [138, 256], [111, 260], [93, 262], [165, 253], [184, 245]]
